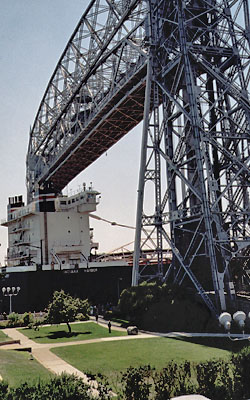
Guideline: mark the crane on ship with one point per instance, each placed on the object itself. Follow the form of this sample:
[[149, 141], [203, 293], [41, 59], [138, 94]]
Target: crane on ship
[[182, 67]]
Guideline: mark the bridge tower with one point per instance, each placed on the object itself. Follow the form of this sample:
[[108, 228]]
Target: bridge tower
[[195, 147]]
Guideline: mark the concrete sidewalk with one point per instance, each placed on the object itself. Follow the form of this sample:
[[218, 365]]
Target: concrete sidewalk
[[42, 353]]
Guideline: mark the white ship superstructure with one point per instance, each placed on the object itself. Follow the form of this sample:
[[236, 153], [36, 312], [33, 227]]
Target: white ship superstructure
[[51, 229]]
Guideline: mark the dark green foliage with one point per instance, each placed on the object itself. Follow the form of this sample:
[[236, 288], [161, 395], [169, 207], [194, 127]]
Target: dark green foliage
[[64, 387], [64, 308], [27, 319], [108, 315], [241, 367], [137, 299], [215, 379], [174, 380], [104, 390], [3, 389], [166, 308], [136, 383], [13, 320]]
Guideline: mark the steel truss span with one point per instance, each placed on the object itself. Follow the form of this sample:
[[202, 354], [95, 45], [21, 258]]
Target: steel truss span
[[94, 97], [184, 68]]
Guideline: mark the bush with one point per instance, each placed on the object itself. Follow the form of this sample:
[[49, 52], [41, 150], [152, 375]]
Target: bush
[[241, 370], [214, 379], [64, 387], [82, 317], [27, 319], [137, 383], [3, 324], [3, 390], [137, 299], [154, 307], [174, 380], [108, 315], [14, 320]]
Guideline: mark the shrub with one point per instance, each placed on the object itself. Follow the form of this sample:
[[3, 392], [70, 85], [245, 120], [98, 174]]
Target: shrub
[[27, 319], [3, 390], [137, 383], [174, 380], [214, 379], [241, 371], [81, 317], [153, 306], [108, 315], [64, 387], [137, 299], [13, 320]]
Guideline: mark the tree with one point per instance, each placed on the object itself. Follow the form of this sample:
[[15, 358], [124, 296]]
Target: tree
[[64, 308]]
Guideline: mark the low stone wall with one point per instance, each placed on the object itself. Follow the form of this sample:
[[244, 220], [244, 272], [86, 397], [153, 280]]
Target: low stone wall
[[10, 342]]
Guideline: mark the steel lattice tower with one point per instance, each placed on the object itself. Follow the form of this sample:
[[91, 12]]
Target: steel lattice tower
[[183, 67], [195, 150]]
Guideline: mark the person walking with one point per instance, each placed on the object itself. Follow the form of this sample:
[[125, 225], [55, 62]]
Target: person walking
[[109, 326]]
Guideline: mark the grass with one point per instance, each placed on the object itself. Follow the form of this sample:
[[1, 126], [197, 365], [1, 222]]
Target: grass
[[16, 368], [110, 358], [60, 334], [3, 337]]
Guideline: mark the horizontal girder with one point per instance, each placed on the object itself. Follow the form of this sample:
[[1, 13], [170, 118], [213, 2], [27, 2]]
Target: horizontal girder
[[84, 111]]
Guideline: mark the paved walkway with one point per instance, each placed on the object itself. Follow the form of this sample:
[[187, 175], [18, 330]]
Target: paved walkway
[[41, 351]]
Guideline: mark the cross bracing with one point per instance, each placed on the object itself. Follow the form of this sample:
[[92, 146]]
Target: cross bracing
[[183, 67], [95, 94], [196, 146]]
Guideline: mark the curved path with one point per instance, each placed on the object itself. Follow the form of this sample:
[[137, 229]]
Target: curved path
[[42, 353]]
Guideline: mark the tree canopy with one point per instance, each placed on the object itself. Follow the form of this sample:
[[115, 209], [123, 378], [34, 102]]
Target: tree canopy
[[64, 308]]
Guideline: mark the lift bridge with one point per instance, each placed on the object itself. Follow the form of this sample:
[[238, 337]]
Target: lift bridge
[[183, 68]]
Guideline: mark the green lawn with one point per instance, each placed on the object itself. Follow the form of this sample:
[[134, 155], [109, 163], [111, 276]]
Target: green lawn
[[3, 337], [59, 333], [16, 367], [111, 357]]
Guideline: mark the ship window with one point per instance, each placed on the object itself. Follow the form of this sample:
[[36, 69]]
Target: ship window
[[63, 203]]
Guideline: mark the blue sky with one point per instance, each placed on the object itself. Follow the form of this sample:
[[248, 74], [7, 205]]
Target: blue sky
[[33, 34]]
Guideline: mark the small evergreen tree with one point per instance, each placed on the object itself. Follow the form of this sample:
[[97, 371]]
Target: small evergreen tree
[[64, 308]]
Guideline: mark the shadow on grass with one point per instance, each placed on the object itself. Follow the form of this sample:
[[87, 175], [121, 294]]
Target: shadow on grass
[[63, 334], [219, 343]]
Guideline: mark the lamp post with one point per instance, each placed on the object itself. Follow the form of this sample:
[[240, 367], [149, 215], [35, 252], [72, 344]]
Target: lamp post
[[13, 291]]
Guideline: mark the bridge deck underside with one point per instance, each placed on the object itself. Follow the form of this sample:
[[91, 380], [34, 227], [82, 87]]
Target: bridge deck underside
[[119, 115]]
